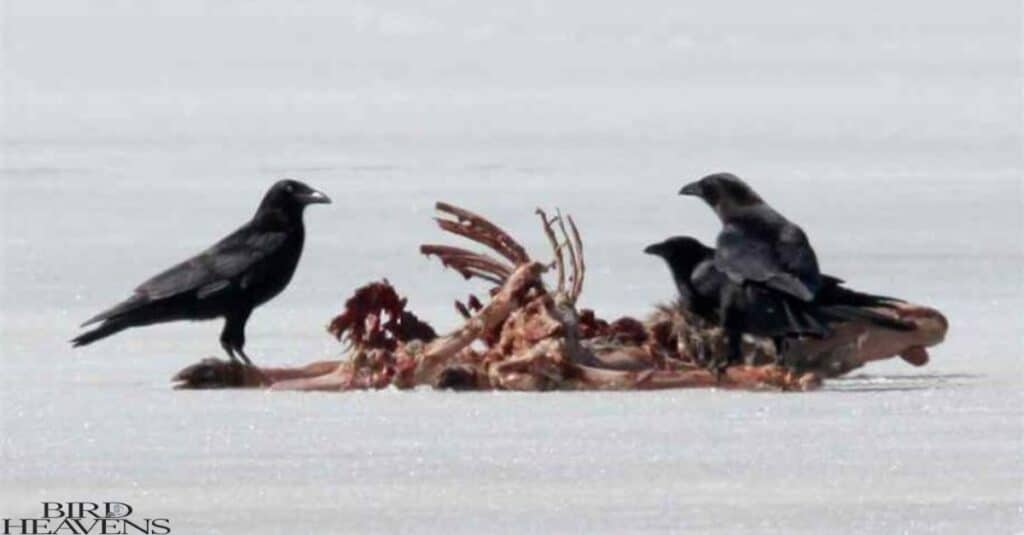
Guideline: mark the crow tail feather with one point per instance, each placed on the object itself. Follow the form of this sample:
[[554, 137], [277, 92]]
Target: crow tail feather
[[106, 329], [848, 313]]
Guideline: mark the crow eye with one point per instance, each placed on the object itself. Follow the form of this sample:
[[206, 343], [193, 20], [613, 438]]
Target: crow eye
[[290, 188]]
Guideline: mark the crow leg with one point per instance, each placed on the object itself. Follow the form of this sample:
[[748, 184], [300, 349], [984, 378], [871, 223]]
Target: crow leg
[[735, 350], [781, 346], [232, 338], [245, 358], [228, 349], [732, 315]]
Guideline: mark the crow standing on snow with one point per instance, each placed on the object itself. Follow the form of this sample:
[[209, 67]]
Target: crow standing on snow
[[763, 256], [764, 311], [242, 271]]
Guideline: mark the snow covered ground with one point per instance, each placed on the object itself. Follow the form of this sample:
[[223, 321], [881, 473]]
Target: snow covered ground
[[136, 134]]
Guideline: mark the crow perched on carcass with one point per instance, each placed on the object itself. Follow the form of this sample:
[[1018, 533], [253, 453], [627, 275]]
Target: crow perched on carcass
[[762, 311], [240, 272], [763, 278]]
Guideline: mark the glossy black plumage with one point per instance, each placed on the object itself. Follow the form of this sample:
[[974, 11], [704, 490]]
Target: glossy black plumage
[[758, 246], [759, 309], [756, 243], [238, 273]]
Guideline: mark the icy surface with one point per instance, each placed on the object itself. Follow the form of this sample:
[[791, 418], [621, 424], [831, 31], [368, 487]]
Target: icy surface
[[137, 135]]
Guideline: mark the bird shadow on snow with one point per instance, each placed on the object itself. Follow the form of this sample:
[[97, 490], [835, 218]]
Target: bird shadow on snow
[[900, 383]]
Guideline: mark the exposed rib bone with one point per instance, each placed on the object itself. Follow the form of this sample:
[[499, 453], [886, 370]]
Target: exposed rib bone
[[559, 261], [469, 263], [581, 267], [480, 230]]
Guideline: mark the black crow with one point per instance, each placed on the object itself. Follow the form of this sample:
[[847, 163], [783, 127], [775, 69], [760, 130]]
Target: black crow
[[240, 272], [757, 244], [758, 309]]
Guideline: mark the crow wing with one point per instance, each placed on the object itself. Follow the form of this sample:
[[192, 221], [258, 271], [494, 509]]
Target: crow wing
[[214, 270], [787, 264], [834, 293], [707, 280], [769, 312]]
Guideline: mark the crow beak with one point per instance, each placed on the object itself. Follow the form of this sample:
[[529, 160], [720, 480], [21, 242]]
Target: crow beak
[[316, 197], [692, 188], [652, 249]]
